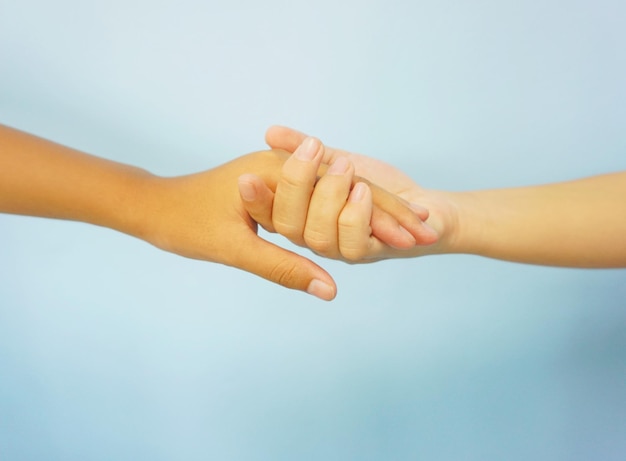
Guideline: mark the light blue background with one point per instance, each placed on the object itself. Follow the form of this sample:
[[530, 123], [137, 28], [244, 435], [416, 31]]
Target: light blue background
[[111, 349]]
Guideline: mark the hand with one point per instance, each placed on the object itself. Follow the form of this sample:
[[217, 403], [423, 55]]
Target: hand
[[546, 224], [336, 222], [199, 216], [202, 216]]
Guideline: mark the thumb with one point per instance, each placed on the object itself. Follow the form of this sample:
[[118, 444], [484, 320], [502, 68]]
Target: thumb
[[284, 267], [288, 139], [282, 137]]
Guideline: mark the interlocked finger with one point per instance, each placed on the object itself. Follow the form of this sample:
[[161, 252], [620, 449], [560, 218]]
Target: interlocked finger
[[294, 190], [328, 199]]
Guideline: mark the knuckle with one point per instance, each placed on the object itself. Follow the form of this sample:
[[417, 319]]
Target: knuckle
[[295, 175], [348, 222], [354, 253], [291, 231], [285, 273], [290, 181], [320, 243], [354, 241], [351, 228]]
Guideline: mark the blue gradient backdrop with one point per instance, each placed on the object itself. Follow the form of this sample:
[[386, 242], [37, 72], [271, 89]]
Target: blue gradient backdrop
[[111, 349]]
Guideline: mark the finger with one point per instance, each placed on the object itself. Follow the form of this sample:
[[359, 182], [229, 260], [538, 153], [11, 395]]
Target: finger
[[327, 201], [257, 199], [281, 137], [356, 241], [283, 267], [419, 210], [389, 230], [294, 190], [395, 219], [391, 222], [288, 139]]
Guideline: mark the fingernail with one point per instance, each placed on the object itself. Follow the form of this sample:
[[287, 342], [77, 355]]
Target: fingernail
[[321, 289], [358, 192], [339, 166], [420, 211], [407, 234], [430, 231], [247, 190], [416, 207], [307, 150]]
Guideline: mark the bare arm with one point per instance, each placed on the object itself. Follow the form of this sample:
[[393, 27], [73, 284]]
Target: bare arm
[[42, 178], [198, 216], [580, 223]]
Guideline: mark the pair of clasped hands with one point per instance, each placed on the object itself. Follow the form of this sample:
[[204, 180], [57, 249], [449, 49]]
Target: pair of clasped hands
[[307, 192], [340, 205]]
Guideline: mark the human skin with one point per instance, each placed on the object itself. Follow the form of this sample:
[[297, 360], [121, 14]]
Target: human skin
[[198, 216], [579, 223], [336, 215]]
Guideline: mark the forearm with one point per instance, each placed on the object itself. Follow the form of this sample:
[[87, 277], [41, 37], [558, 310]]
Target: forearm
[[197, 216], [579, 223], [42, 178]]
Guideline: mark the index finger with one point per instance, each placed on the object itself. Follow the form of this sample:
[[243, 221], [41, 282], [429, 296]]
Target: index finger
[[294, 190]]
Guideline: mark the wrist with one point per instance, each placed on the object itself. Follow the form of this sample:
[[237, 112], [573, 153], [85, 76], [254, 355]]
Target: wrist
[[463, 223], [451, 216], [137, 206]]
